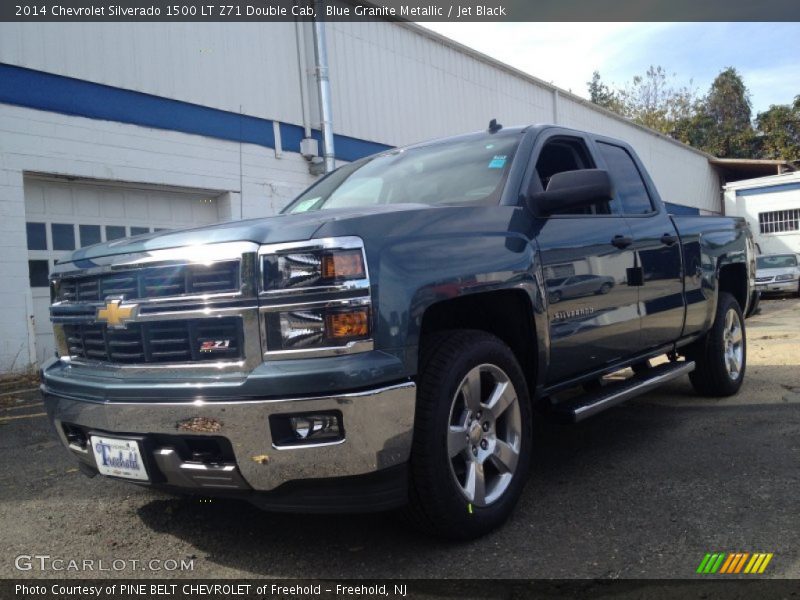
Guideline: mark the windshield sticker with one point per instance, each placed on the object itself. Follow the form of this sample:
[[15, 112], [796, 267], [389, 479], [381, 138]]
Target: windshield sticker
[[305, 205], [497, 162]]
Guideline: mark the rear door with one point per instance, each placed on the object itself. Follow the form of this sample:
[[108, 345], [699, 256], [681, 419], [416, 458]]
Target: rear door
[[657, 248], [592, 312]]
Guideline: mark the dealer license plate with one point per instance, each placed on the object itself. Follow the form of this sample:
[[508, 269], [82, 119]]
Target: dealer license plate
[[119, 457]]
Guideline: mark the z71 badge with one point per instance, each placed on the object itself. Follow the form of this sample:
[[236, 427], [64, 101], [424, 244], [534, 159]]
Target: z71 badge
[[215, 345]]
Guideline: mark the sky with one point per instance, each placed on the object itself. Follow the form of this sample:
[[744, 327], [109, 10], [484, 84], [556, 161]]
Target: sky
[[767, 55]]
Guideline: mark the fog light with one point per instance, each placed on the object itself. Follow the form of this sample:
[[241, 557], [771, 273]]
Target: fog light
[[318, 426], [306, 428]]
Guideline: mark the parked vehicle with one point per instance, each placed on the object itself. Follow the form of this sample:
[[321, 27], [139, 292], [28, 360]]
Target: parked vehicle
[[578, 286], [384, 341], [778, 273]]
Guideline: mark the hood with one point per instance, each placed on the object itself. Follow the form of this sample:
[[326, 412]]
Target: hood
[[266, 230]]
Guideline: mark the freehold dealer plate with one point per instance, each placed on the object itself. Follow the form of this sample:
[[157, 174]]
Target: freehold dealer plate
[[119, 457]]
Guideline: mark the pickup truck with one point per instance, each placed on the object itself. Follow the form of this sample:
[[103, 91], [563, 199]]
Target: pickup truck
[[388, 339]]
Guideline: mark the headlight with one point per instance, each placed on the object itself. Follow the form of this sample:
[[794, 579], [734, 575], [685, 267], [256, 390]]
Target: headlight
[[315, 298], [787, 277], [330, 326], [321, 267]]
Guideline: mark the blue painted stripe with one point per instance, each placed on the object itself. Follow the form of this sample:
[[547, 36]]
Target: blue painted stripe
[[70, 96], [769, 189], [347, 148], [680, 209]]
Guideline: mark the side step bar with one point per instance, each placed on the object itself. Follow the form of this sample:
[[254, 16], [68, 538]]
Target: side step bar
[[586, 406]]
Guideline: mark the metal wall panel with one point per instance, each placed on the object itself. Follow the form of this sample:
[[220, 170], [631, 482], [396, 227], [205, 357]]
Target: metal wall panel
[[391, 83], [252, 66]]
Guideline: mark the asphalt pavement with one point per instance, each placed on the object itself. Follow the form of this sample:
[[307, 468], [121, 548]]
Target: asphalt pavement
[[643, 490]]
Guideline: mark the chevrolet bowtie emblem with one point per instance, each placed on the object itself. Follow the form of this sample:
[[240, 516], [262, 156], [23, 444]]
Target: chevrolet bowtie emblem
[[115, 314]]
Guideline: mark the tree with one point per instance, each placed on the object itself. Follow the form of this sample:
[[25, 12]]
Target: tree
[[718, 123], [728, 109], [779, 131], [651, 99], [601, 94]]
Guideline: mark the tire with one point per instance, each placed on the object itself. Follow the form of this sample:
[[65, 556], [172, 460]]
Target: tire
[[445, 497], [720, 361], [604, 289], [554, 297]]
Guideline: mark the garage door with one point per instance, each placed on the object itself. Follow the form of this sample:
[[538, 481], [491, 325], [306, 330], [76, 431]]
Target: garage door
[[64, 215]]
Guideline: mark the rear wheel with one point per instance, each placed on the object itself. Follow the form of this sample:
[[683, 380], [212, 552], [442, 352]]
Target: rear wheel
[[472, 436], [721, 355]]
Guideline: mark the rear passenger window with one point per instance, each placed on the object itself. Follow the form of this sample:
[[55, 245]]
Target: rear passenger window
[[627, 179]]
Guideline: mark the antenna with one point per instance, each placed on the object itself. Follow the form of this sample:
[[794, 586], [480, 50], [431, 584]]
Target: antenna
[[494, 126]]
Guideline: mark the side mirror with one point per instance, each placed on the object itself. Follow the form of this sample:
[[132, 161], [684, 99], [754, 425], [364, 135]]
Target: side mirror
[[572, 189]]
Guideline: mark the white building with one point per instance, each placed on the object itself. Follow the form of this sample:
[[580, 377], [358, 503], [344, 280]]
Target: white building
[[772, 207], [114, 129]]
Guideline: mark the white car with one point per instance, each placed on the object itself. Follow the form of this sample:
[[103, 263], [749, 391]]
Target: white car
[[778, 273]]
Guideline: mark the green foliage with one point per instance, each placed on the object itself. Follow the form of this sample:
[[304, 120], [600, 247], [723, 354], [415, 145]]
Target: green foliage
[[728, 106], [601, 94], [719, 123], [779, 129], [651, 99]]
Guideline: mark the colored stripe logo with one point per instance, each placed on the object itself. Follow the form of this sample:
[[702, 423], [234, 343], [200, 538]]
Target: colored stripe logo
[[734, 562]]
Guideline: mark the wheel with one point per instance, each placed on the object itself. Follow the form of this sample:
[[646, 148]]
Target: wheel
[[554, 297], [472, 436], [721, 355], [605, 288]]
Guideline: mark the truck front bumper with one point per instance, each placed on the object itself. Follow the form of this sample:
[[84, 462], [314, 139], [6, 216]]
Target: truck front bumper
[[377, 433]]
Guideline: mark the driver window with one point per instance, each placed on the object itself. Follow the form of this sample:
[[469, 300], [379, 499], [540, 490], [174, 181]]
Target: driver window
[[567, 154]]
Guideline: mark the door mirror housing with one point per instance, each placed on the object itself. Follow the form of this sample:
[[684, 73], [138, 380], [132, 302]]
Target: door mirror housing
[[572, 189]]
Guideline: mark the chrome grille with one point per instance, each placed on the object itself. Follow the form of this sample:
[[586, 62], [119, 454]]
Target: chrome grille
[[156, 342], [152, 282]]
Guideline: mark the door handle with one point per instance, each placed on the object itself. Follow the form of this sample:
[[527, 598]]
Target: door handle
[[668, 239], [622, 241]]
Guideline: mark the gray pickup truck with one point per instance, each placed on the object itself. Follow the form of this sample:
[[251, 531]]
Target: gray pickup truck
[[388, 339]]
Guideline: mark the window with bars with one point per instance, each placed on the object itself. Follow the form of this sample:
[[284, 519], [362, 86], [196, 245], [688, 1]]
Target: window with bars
[[779, 221]]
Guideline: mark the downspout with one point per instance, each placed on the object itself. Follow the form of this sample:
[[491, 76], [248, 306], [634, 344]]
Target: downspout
[[302, 66], [324, 85]]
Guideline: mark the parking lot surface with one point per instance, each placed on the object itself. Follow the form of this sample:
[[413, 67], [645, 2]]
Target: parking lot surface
[[642, 490]]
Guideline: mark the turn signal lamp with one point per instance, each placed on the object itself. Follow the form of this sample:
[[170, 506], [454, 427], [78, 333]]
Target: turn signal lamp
[[344, 325], [343, 265]]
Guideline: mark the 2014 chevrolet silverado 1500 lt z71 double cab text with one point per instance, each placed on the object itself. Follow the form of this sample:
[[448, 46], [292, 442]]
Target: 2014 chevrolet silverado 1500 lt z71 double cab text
[[387, 339]]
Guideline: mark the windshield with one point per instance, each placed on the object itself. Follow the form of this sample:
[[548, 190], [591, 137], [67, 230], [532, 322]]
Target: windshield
[[457, 172], [780, 261]]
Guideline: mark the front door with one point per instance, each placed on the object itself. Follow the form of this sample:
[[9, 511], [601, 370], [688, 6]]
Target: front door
[[586, 259]]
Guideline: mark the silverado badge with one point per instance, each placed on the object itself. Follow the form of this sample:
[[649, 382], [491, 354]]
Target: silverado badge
[[115, 314]]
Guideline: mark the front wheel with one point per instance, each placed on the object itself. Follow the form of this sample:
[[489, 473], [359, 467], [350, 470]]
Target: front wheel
[[721, 355], [472, 437]]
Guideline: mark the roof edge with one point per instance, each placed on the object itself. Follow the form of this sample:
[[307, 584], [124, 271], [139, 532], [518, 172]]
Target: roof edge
[[443, 39]]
